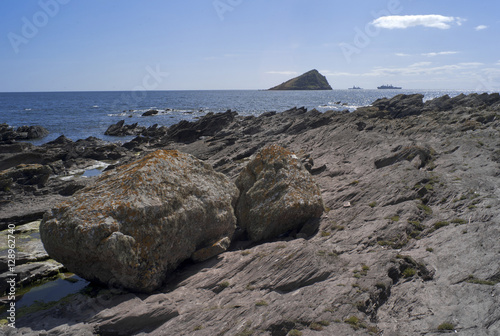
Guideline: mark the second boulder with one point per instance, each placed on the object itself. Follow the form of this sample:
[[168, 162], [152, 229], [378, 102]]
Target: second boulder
[[277, 194]]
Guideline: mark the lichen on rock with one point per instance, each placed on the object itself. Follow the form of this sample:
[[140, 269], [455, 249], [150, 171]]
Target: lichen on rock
[[277, 194], [138, 223]]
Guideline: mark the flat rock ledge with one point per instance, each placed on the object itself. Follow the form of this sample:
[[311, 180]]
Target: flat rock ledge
[[138, 223]]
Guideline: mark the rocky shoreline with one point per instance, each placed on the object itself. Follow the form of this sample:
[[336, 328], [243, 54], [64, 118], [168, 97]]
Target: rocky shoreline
[[408, 244]]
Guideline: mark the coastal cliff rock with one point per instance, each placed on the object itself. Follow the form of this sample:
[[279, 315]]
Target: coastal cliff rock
[[277, 194], [135, 225], [311, 80], [408, 243]]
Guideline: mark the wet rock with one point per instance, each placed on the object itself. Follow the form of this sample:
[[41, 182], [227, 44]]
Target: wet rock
[[29, 273], [150, 113], [277, 194], [140, 221]]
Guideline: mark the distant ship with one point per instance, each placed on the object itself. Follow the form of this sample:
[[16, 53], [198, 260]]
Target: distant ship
[[389, 87], [355, 88]]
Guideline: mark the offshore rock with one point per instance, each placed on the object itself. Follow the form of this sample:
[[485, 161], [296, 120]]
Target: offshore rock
[[138, 223], [311, 80], [277, 194]]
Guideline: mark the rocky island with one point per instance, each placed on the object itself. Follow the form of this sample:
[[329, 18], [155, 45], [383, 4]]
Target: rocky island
[[311, 80], [383, 221]]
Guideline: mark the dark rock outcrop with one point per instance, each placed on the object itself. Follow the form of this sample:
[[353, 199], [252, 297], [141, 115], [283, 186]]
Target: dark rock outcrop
[[208, 125], [137, 223], [401, 106], [8, 134], [150, 113], [311, 80], [33, 174], [120, 129]]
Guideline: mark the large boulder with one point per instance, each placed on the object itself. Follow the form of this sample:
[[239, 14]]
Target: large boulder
[[277, 194], [139, 222]]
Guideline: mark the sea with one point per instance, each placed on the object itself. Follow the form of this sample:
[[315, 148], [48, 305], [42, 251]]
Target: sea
[[79, 115]]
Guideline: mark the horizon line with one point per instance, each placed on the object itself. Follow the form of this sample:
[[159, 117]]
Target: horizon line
[[169, 90]]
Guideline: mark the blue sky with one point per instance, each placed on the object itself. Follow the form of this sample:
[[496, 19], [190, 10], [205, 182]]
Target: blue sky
[[87, 45]]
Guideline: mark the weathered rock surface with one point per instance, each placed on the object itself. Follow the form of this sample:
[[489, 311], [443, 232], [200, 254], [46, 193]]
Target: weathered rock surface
[[416, 248], [277, 194], [136, 224]]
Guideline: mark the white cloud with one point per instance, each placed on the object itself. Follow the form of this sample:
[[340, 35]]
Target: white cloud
[[432, 54], [416, 69], [407, 21], [287, 73], [420, 64], [480, 27]]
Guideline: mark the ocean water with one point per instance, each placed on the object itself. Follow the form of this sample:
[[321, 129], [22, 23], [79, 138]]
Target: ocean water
[[79, 115]]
